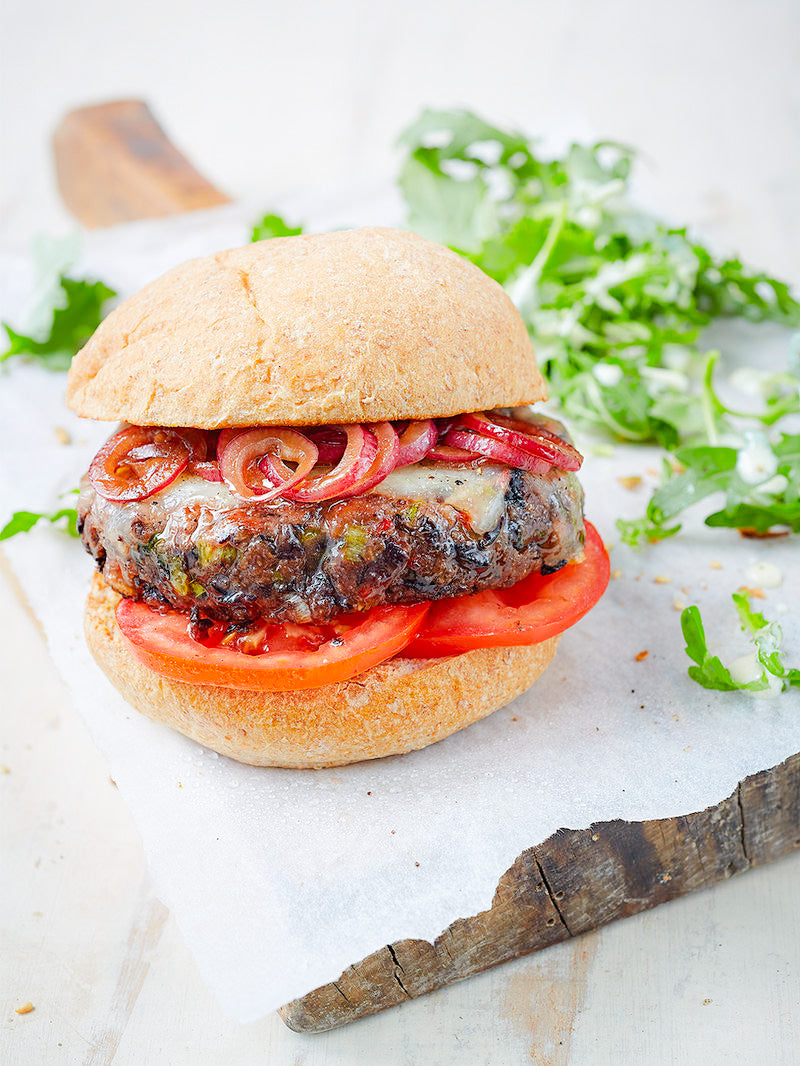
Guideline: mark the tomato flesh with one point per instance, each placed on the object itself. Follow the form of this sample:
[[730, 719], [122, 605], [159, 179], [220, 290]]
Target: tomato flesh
[[531, 611], [282, 657], [162, 642]]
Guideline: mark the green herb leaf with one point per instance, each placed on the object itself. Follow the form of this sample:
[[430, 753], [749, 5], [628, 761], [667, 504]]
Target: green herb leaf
[[616, 302], [766, 637], [74, 320], [709, 672], [24, 521], [272, 225]]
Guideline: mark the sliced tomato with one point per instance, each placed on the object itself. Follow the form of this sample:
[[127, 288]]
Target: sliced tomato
[[531, 611], [162, 643]]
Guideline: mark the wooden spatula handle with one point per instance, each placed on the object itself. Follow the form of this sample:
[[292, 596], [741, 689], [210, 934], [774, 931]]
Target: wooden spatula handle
[[114, 163]]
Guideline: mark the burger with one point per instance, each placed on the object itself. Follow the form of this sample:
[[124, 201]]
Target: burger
[[329, 526]]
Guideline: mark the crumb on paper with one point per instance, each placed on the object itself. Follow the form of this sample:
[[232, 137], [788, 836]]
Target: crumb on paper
[[26, 1008], [707, 1001], [676, 467], [61, 435], [662, 579], [715, 564], [416, 864], [640, 658], [4, 769], [678, 604], [369, 793], [651, 470], [756, 593], [616, 573], [515, 719], [631, 482]]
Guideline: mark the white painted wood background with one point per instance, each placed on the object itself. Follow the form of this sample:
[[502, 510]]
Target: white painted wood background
[[265, 99]]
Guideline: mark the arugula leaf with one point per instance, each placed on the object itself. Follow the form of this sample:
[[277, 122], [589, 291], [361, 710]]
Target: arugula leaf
[[74, 319], [766, 636], [709, 672], [616, 302], [24, 521], [272, 225]]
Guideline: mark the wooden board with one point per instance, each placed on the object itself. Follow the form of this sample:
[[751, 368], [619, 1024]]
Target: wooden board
[[114, 164]]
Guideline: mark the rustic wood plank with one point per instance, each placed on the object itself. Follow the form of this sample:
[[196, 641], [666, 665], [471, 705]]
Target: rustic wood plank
[[575, 881], [114, 163]]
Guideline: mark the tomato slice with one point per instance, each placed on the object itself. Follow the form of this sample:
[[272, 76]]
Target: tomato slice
[[162, 643], [531, 611]]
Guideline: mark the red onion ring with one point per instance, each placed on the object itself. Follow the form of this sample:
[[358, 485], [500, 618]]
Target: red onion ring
[[330, 442], [137, 462], [526, 437], [208, 471], [497, 450], [385, 461], [446, 453], [416, 441], [243, 462], [359, 455]]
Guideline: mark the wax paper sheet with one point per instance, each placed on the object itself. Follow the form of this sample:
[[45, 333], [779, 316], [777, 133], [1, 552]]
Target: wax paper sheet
[[279, 879]]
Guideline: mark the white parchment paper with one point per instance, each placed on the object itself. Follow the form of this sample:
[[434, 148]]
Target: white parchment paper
[[279, 879]]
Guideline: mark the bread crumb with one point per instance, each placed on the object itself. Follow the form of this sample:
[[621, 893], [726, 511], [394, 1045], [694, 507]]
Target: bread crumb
[[715, 564], [26, 1008], [616, 573], [633, 481], [61, 435], [662, 579], [706, 1002], [514, 719], [416, 864], [642, 656], [4, 769], [678, 604], [757, 593]]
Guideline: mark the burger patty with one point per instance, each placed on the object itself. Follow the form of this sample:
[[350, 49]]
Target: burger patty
[[195, 545]]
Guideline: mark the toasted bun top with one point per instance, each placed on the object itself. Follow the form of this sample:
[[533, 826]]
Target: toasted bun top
[[358, 325]]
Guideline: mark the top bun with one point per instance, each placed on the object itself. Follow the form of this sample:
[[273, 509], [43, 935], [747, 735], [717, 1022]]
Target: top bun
[[354, 326]]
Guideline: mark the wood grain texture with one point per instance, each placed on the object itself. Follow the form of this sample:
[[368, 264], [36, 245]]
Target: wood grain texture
[[114, 163], [575, 881]]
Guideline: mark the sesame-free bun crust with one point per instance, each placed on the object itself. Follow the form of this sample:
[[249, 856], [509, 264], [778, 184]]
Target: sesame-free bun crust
[[358, 325], [399, 706]]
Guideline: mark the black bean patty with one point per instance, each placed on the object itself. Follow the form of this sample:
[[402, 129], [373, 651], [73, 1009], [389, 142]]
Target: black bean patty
[[195, 545]]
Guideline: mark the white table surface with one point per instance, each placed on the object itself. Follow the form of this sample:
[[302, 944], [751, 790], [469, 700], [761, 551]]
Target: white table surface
[[266, 99]]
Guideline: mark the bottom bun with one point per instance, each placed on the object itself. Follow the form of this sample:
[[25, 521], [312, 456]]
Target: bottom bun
[[399, 706]]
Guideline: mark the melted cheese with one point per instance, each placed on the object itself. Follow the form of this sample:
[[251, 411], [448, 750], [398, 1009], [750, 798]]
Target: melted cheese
[[476, 491]]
